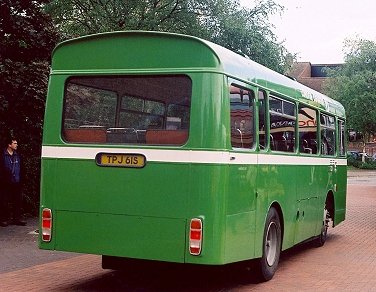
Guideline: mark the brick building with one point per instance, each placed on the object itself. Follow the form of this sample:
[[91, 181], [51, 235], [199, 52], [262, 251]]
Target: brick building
[[314, 76], [311, 75]]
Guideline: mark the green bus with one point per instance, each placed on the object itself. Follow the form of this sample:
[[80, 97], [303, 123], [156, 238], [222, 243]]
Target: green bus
[[169, 148]]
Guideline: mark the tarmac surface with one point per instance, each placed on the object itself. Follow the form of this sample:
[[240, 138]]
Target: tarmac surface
[[347, 261], [19, 248]]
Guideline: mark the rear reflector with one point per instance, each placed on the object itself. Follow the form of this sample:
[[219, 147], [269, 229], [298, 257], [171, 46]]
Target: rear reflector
[[195, 236], [46, 224]]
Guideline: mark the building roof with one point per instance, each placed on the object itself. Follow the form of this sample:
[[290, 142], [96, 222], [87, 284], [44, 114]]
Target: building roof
[[312, 75]]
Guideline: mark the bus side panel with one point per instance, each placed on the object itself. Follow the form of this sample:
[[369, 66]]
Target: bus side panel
[[282, 184], [240, 235], [240, 204], [276, 184], [308, 214], [340, 194], [206, 201]]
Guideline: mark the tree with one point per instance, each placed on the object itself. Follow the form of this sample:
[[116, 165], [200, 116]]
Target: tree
[[248, 32], [243, 30], [354, 85], [81, 17], [27, 39]]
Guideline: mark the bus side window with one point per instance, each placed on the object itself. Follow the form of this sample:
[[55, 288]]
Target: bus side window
[[282, 124], [328, 135], [241, 111], [262, 120], [341, 130], [307, 129]]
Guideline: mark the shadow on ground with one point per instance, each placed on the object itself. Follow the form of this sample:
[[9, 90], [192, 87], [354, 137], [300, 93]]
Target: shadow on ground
[[170, 277]]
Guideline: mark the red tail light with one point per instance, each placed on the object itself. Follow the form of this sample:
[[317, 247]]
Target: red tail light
[[195, 236], [46, 224]]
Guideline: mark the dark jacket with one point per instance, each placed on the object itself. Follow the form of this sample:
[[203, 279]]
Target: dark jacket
[[11, 167]]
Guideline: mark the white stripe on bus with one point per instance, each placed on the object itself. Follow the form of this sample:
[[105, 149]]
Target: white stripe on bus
[[192, 156]]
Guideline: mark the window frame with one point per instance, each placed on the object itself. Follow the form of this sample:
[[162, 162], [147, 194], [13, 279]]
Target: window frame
[[273, 146], [331, 127], [311, 144], [341, 123], [252, 105], [123, 86]]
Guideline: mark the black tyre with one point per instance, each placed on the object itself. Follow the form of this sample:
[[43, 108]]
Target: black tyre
[[271, 248]]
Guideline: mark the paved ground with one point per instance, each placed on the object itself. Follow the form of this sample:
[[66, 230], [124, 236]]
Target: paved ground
[[18, 248], [347, 262], [362, 177]]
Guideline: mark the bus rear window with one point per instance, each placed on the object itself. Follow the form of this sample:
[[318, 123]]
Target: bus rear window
[[151, 110]]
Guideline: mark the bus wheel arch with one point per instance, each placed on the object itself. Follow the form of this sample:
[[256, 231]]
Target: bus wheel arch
[[271, 244], [328, 214], [329, 203], [278, 208]]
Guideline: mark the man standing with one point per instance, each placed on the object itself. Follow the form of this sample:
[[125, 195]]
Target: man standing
[[11, 185]]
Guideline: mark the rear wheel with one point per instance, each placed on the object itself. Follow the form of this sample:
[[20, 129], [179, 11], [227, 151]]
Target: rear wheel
[[271, 249], [320, 240]]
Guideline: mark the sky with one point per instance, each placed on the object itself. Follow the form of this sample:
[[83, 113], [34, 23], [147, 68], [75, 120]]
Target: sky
[[316, 29]]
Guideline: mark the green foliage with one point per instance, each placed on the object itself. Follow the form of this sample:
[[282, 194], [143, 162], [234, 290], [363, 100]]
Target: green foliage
[[245, 30], [354, 85], [369, 164], [82, 17], [27, 40], [248, 32]]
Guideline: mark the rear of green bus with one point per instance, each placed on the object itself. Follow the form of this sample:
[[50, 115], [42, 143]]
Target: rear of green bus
[[128, 161]]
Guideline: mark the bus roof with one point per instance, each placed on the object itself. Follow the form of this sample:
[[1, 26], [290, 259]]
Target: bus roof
[[110, 51], [239, 66]]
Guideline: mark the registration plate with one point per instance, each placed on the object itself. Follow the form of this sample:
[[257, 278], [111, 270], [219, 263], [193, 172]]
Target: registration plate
[[121, 160]]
